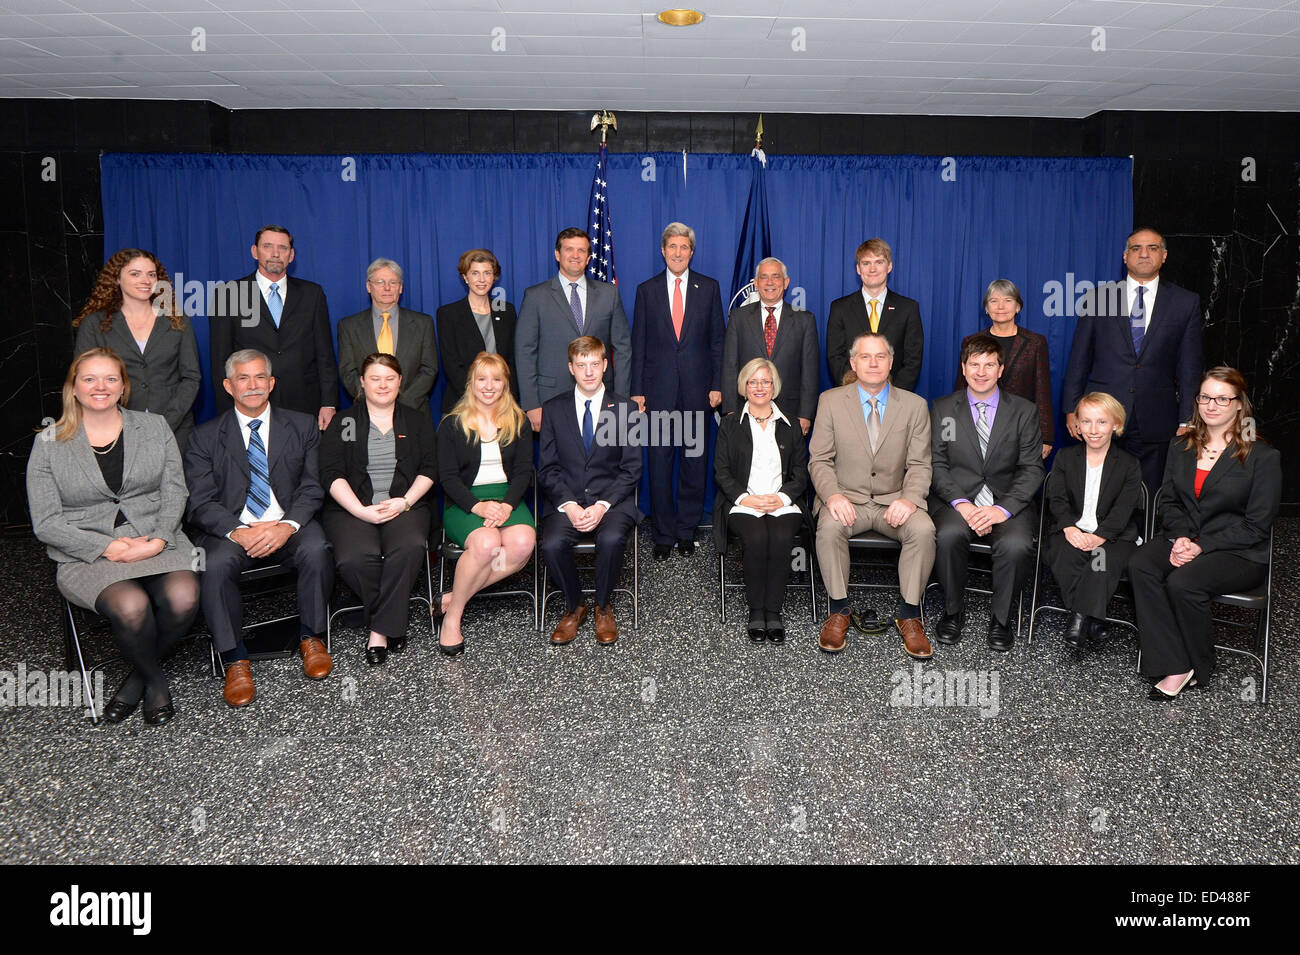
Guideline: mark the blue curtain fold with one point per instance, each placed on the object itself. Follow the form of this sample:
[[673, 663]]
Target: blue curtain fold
[[955, 223]]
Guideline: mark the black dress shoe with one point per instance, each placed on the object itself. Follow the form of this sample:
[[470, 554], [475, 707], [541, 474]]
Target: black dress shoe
[[397, 644], [452, 650], [376, 655], [757, 626], [775, 628], [117, 711], [1000, 638], [949, 629], [686, 547], [1078, 633], [663, 551], [157, 715], [1096, 633], [866, 621]]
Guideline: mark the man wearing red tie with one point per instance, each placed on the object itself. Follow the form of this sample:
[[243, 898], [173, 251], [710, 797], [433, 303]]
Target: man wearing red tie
[[772, 328], [677, 332]]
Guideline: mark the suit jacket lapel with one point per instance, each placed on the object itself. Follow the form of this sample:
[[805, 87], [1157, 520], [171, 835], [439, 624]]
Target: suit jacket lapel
[[132, 451], [998, 427], [80, 446], [563, 298], [236, 453], [966, 423], [853, 408]]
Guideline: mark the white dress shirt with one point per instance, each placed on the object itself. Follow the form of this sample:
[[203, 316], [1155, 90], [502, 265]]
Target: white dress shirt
[[1087, 522], [580, 408], [281, 286], [565, 282], [1148, 300], [672, 283], [765, 473]]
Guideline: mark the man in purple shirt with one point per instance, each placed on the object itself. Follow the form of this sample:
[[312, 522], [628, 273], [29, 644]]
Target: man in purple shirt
[[987, 462]]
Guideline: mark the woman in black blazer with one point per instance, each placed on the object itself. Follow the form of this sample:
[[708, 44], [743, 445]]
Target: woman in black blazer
[[476, 323], [378, 460], [1094, 494], [1220, 496], [134, 311], [485, 462], [760, 464]]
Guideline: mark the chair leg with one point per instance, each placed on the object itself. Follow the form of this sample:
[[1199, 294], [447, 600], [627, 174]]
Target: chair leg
[[636, 577], [1263, 651], [722, 588], [75, 641]]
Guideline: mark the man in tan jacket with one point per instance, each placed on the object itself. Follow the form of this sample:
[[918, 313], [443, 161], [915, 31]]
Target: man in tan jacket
[[869, 460]]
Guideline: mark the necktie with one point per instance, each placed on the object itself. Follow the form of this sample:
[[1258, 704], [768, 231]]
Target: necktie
[[875, 316], [275, 303], [1138, 319], [679, 309], [259, 484], [769, 328], [873, 424], [985, 496], [575, 303], [384, 342], [587, 432]]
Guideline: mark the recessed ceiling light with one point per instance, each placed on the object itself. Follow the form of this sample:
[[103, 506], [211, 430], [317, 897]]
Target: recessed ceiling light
[[680, 18]]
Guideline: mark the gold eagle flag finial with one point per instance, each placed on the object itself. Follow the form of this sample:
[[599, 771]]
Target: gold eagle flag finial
[[606, 121]]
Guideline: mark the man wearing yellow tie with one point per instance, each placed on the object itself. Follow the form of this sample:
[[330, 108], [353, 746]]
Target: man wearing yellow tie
[[386, 327], [876, 309]]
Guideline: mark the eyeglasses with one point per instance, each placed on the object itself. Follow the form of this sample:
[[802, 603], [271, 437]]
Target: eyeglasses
[[386, 283], [759, 382], [1221, 400]]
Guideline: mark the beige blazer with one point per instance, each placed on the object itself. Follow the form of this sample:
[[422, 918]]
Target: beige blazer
[[840, 459]]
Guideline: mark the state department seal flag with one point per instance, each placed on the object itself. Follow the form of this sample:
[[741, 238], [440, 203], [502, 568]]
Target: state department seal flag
[[755, 236], [601, 230]]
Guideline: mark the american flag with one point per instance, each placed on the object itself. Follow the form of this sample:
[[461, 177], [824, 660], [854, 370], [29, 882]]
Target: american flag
[[601, 266]]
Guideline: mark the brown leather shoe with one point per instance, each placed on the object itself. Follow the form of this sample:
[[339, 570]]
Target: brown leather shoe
[[240, 690], [833, 631], [316, 662], [606, 625], [914, 641], [567, 628]]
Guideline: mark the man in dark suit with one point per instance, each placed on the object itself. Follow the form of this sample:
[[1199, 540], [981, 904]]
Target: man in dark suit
[[874, 308], [408, 336], [1140, 341], [290, 324], [677, 332], [254, 494], [555, 312], [769, 328], [987, 466], [589, 471]]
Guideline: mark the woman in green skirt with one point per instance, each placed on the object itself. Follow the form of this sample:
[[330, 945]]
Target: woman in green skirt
[[485, 464]]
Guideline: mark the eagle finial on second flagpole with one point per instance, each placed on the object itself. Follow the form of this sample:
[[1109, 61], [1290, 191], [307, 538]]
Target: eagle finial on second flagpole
[[606, 121]]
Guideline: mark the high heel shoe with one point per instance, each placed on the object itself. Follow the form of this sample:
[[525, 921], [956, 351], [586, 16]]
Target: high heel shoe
[[157, 715], [1163, 696], [117, 711], [452, 650]]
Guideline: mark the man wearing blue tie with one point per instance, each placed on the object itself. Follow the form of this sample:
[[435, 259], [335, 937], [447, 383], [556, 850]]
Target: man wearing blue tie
[[588, 470], [290, 324], [677, 332], [254, 494], [1140, 342]]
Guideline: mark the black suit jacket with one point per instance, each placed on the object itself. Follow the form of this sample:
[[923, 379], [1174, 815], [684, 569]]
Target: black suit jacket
[[459, 459], [301, 349], [900, 323], [1238, 502], [415, 353], [216, 470], [1156, 387], [732, 457], [345, 452], [611, 473], [1119, 501], [796, 354], [460, 341], [1013, 469], [672, 373]]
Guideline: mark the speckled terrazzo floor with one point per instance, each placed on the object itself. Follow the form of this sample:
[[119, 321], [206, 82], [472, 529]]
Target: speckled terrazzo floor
[[683, 743]]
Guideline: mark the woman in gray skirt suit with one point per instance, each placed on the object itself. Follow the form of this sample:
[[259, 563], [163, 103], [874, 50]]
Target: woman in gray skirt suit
[[106, 492]]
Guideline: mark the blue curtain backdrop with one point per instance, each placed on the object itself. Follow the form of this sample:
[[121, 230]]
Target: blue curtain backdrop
[[954, 225]]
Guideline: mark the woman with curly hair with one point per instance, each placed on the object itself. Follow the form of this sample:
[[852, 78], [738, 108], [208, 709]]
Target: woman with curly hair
[[134, 311]]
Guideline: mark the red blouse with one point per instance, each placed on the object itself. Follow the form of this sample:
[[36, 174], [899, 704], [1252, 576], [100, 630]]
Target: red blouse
[[1201, 475]]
